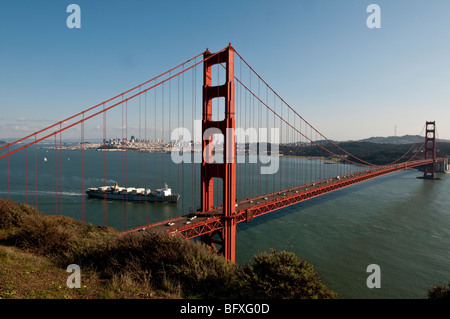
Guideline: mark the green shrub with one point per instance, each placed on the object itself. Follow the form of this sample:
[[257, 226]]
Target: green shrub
[[61, 238], [44, 236], [168, 262], [11, 213], [281, 275]]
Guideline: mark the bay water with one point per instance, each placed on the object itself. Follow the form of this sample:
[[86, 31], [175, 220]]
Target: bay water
[[398, 222]]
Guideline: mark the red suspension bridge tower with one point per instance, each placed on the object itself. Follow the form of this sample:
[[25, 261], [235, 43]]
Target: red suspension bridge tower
[[430, 150], [226, 170]]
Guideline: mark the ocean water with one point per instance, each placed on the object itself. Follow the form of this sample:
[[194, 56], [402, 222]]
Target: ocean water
[[397, 221]]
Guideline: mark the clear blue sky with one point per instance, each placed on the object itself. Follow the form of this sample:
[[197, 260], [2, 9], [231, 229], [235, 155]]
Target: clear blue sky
[[347, 80]]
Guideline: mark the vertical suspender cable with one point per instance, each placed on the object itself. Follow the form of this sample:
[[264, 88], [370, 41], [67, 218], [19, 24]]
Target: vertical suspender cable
[[60, 170], [35, 172], [83, 211], [155, 182], [239, 183], [26, 175], [169, 132], [281, 143], [192, 162], [259, 137], [183, 117], [182, 145], [121, 145], [274, 126], [123, 167], [139, 143], [139, 146], [162, 133], [267, 137], [56, 180], [126, 163], [248, 141], [104, 165], [9, 193], [146, 153], [251, 125], [196, 201], [288, 170]]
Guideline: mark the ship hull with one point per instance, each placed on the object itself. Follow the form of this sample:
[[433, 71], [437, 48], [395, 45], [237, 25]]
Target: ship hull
[[134, 198]]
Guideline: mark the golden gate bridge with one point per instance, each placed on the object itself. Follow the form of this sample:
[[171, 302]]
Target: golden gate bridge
[[213, 96]]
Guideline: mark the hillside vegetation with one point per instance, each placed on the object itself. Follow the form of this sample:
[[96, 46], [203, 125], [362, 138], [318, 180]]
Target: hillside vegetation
[[375, 153], [35, 250]]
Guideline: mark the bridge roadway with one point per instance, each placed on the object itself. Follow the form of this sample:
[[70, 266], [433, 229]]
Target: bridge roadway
[[200, 223]]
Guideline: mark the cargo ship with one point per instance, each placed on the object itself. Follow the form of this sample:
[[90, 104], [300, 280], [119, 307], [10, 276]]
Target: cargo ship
[[132, 194]]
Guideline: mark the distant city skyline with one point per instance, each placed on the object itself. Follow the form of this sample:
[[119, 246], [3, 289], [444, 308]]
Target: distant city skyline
[[349, 81]]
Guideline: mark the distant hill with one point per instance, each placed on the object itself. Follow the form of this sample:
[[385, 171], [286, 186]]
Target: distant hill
[[406, 139]]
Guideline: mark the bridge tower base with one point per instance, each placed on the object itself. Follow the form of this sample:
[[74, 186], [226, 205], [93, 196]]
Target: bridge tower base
[[442, 167], [226, 170]]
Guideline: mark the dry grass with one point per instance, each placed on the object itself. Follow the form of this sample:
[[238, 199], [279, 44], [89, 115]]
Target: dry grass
[[25, 275], [28, 276]]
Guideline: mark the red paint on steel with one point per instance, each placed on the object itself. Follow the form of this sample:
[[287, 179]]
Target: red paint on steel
[[213, 222], [430, 150], [226, 170]]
